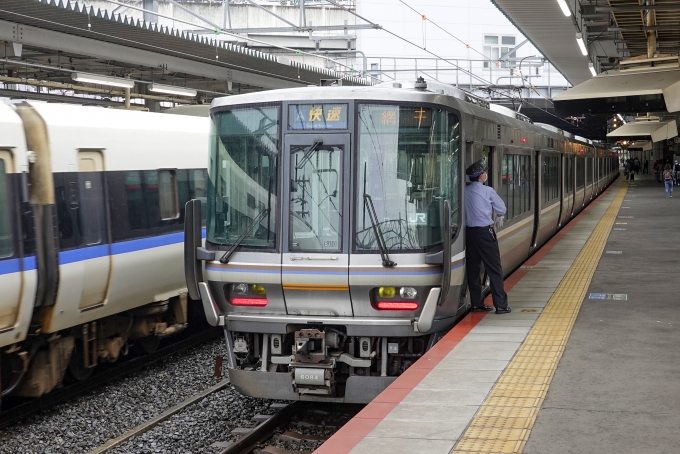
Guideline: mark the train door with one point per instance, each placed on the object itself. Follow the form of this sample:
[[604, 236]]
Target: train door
[[93, 228], [11, 273], [315, 259], [538, 193]]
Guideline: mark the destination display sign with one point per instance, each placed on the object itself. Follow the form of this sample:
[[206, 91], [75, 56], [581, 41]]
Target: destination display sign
[[317, 116]]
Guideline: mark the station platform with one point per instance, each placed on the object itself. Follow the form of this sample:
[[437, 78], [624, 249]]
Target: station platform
[[588, 361]]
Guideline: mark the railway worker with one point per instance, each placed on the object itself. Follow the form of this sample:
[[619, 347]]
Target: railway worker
[[481, 244]]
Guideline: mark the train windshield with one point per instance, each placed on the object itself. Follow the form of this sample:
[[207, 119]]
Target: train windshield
[[408, 165], [244, 148]]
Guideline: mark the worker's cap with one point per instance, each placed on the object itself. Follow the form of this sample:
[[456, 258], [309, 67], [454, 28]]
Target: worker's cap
[[476, 169]]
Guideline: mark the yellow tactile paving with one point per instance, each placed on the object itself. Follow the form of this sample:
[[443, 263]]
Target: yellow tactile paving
[[505, 419]]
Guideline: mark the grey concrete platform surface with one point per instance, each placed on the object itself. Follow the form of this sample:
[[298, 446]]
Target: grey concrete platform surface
[[617, 387], [431, 405]]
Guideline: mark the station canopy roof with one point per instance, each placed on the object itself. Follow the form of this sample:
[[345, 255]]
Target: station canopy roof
[[650, 90], [657, 130], [553, 34], [60, 38]]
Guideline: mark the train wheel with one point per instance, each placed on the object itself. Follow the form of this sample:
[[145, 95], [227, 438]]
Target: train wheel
[[148, 344]]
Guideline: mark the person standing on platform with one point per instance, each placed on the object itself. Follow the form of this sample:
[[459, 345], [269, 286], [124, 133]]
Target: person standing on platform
[[668, 179], [645, 167], [481, 244]]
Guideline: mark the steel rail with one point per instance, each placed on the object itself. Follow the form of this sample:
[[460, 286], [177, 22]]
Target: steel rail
[[38, 404], [263, 431], [153, 422]]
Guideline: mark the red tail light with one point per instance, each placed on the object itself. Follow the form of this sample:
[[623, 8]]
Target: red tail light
[[396, 306], [252, 302]]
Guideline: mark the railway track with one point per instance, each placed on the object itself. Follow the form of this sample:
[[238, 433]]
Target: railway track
[[36, 405], [296, 428]]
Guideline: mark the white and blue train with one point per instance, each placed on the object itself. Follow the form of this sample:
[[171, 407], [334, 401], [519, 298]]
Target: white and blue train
[[91, 215], [333, 255]]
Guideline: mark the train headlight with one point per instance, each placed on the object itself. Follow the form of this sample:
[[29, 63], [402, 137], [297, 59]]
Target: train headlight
[[239, 289], [258, 289], [408, 293], [387, 292]]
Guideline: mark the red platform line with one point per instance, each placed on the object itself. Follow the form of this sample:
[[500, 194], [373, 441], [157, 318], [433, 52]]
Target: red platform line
[[351, 434]]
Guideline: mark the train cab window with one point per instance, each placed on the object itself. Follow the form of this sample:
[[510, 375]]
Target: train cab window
[[167, 194], [408, 165], [5, 226], [516, 184], [316, 198], [243, 169]]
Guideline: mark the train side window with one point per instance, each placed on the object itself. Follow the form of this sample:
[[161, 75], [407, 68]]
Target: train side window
[[515, 187], [525, 183], [167, 194], [506, 184], [5, 226], [570, 174], [580, 172], [66, 201]]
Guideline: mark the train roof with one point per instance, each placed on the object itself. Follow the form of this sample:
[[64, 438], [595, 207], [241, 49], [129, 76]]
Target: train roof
[[407, 91], [130, 139]]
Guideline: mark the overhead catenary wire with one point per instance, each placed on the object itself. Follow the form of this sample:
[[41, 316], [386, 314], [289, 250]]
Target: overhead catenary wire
[[455, 37], [223, 31], [471, 74]]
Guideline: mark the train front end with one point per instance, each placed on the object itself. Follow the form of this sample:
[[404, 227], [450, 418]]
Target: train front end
[[332, 253]]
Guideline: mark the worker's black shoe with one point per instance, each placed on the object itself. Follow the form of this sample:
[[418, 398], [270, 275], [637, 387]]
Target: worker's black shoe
[[482, 309], [507, 310]]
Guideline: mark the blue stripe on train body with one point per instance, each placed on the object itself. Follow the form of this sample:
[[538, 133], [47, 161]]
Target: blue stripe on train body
[[14, 265], [10, 266]]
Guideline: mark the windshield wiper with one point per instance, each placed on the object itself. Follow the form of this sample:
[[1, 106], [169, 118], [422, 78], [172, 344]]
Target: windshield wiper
[[379, 238], [227, 255], [308, 154]]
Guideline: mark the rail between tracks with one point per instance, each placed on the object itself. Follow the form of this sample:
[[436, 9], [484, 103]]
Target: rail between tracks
[[42, 403]]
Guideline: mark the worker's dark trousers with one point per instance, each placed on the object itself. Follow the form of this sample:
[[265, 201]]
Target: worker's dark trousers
[[481, 246]]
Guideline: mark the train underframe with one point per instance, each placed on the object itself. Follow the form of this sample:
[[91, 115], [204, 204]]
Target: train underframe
[[322, 362], [44, 361]]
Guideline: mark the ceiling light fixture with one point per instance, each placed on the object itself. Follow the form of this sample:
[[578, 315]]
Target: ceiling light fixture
[[565, 7], [103, 80], [591, 67], [172, 90], [581, 43]]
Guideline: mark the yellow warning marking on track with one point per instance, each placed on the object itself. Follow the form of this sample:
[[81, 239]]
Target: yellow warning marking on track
[[504, 421]]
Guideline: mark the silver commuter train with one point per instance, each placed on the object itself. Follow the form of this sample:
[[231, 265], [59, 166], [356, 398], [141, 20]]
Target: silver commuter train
[[91, 215], [334, 254]]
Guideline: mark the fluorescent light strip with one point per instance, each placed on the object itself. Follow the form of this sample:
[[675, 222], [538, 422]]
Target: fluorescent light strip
[[103, 80], [565, 7], [171, 90], [581, 43], [591, 67]]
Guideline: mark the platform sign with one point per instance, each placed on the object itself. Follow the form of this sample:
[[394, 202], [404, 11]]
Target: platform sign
[[613, 252], [597, 296], [529, 310], [608, 296]]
